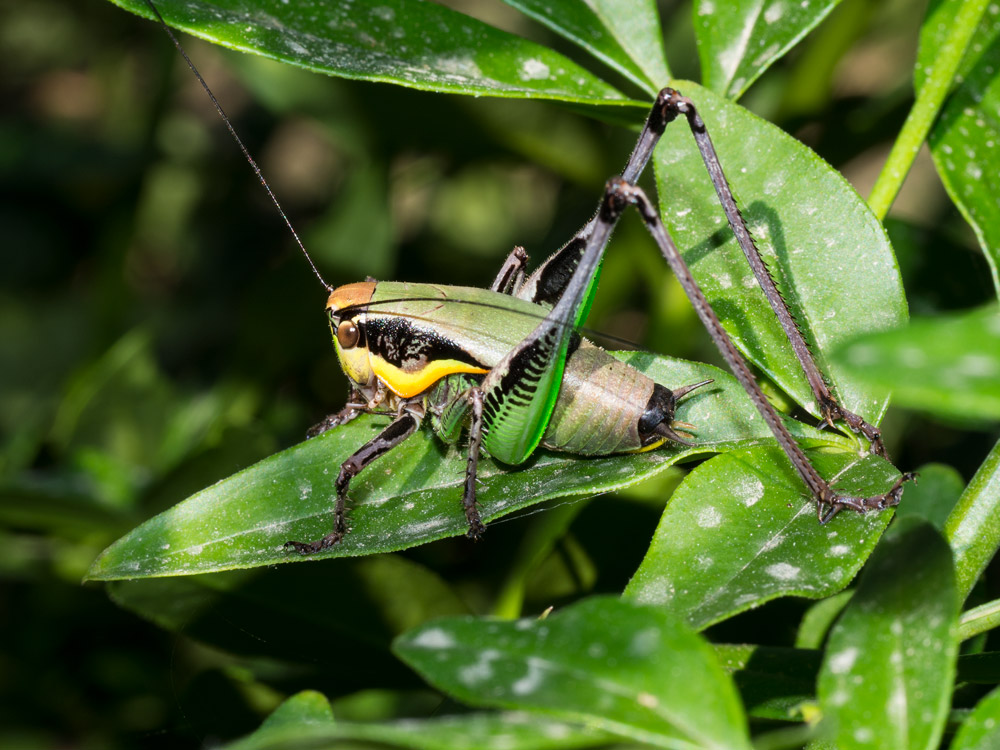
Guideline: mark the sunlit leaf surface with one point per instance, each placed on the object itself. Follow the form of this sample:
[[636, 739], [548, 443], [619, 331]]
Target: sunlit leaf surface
[[625, 34], [965, 141], [416, 44], [739, 39], [741, 530], [890, 659], [828, 253], [410, 497], [632, 670], [947, 365]]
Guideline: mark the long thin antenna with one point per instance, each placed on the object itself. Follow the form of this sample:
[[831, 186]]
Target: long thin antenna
[[239, 142]]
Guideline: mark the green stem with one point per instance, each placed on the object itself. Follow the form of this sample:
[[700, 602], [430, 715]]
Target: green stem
[[973, 526], [930, 97], [537, 545], [979, 619]]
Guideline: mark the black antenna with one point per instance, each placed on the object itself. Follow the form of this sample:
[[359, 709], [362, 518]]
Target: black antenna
[[232, 132]]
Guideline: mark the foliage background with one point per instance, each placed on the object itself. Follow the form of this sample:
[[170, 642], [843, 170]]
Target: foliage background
[[160, 332]]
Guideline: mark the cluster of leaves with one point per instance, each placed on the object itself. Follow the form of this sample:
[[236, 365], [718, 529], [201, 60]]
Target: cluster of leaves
[[876, 666]]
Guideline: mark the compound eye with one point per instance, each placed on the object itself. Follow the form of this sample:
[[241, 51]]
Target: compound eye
[[347, 334]]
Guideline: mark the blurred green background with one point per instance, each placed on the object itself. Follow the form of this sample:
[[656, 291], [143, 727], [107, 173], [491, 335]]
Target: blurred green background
[[160, 330]]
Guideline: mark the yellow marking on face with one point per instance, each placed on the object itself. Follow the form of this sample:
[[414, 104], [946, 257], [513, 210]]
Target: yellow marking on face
[[354, 362], [407, 384]]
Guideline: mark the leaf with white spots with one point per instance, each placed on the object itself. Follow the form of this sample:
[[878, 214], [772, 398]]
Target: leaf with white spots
[[829, 255], [890, 660], [634, 671], [739, 39], [965, 141], [948, 365], [741, 530], [981, 730], [413, 496], [306, 720], [624, 34], [420, 45]]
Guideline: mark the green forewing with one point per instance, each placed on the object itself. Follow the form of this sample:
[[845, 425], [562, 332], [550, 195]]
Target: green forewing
[[485, 324]]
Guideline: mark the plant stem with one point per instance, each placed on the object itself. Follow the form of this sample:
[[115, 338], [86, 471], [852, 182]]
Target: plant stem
[[925, 109], [537, 545], [973, 526], [979, 619]]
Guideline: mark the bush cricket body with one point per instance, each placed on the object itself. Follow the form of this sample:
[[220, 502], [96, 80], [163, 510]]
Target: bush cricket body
[[515, 373]]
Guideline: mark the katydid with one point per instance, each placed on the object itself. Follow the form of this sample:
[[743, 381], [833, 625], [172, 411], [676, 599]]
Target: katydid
[[508, 368]]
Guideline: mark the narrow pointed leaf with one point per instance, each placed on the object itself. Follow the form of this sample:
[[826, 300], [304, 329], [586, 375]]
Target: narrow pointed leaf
[[635, 671], [739, 39], [409, 498], [624, 34], [935, 495], [741, 530], [890, 660], [948, 366], [306, 720], [828, 253], [973, 527], [965, 141], [411, 43]]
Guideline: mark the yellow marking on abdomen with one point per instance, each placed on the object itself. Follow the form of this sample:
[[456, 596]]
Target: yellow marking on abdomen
[[650, 447], [408, 384]]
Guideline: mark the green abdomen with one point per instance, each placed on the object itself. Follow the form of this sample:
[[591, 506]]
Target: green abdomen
[[600, 404]]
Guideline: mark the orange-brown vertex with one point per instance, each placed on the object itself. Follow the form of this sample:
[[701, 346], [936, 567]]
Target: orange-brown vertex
[[358, 293]]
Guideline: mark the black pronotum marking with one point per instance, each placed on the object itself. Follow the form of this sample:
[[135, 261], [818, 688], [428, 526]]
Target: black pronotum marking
[[406, 346]]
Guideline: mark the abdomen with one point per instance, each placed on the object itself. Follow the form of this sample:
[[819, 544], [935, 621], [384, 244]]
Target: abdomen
[[600, 404]]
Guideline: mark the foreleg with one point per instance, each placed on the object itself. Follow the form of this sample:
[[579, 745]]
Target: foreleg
[[399, 430]]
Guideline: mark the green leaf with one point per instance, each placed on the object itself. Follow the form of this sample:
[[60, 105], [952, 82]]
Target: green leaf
[[741, 530], [830, 256], [635, 671], [411, 43], [934, 496], [302, 716], [973, 528], [410, 498], [981, 731], [948, 365], [819, 618], [739, 39], [965, 140], [624, 34], [306, 720], [890, 661]]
